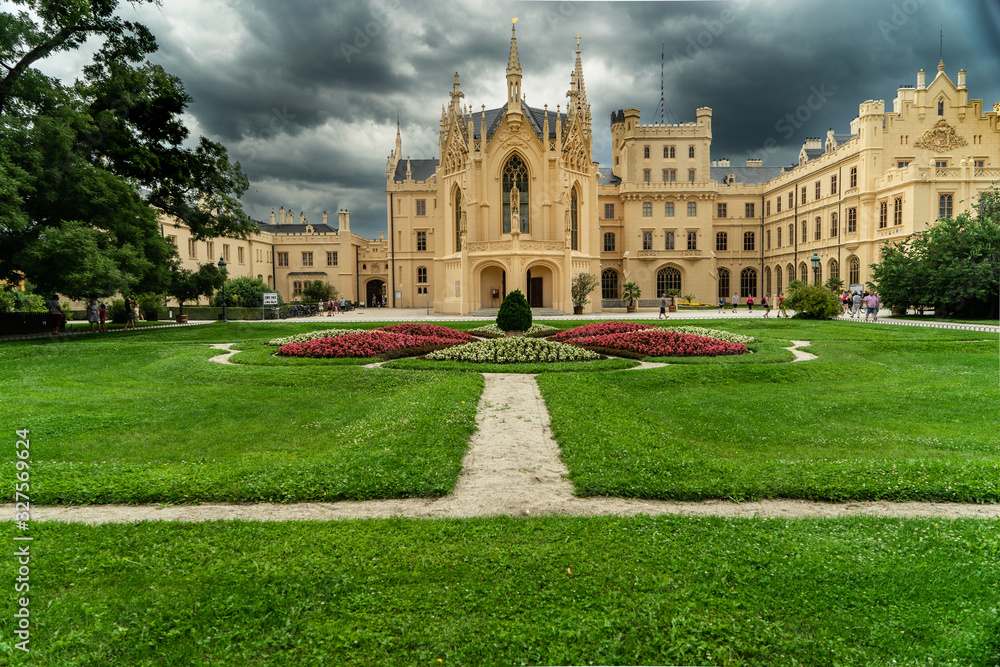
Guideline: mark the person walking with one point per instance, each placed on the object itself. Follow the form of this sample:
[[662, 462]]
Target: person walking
[[722, 305], [736, 301], [856, 303], [781, 306], [55, 311], [750, 303], [93, 315], [872, 305], [102, 313], [846, 300], [767, 305], [129, 313], [663, 307]]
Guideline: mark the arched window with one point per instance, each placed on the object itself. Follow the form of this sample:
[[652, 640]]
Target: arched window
[[777, 280], [667, 279], [790, 273], [515, 175], [609, 242], [854, 275], [804, 273], [458, 220], [767, 280], [721, 241], [945, 206], [834, 230], [834, 268], [421, 274], [724, 284], [748, 282], [779, 238], [609, 284], [748, 240], [574, 222], [940, 107]]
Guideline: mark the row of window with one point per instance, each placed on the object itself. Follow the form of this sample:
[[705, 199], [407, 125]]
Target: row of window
[[668, 209], [210, 251], [669, 151], [669, 176], [722, 241], [307, 259], [817, 192]]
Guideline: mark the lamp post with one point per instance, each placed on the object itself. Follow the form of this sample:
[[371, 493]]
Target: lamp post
[[222, 267], [815, 262]]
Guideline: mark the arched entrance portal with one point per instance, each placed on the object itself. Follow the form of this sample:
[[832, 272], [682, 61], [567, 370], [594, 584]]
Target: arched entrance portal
[[539, 282], [375, 289], [492, 287]]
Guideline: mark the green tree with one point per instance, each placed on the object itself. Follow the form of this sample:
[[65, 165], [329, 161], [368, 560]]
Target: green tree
[[86, 169], [188, 285], [835, 285], [583, 284], [812, 301], [515, 313], [246, 292], [319, 290], [952, 267]]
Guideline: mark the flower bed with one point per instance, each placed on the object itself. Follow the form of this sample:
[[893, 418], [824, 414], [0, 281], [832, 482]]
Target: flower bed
[[373, 343], [598, 329], [433, 330], [302, 337], [656, 342], [714, 333], [493, 331], [513, 351]]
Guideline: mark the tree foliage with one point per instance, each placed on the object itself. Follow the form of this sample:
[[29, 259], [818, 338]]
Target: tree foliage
[[188, 285], [812, 302], [515, 313], [87, 168], [952, 267], [583, 284], [319, 290], [244, 291]]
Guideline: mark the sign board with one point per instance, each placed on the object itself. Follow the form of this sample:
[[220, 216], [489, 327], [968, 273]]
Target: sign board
[[399, 294], [270, 298], [860, 289]]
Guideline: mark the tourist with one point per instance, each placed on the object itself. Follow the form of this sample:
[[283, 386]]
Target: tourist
[[846, 300], [663, 307], [55, 311], [767, 305], [750, 303], [329, 308], [781, 305], [856, 301], [722, 305], [736, 301], [872, 305], [102, 313], [130, 309], [93, 316]]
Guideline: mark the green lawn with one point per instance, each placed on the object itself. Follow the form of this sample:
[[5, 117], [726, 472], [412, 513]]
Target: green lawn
[[895, 413], [502, 591]]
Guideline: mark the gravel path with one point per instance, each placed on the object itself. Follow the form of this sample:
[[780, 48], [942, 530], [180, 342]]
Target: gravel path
[[512, 468]]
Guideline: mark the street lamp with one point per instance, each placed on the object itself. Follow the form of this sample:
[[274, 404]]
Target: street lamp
[[815, 262], [222, 267]]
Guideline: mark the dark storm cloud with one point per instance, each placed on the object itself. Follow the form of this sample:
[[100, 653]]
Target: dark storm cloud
[[306, 93]]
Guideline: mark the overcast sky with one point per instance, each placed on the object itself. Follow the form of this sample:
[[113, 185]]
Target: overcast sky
[[306, 93]]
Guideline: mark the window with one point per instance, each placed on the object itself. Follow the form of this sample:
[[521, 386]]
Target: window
[[768, 239], [791, 200], [282, 259], [854, 275], [833, 184], [779, 237], [297, 288], [690, 175], [307, 259], [647, 240], [647, 209], [804, 273], [818, 192], [692, 240], [767, 207], [767, 280], [854, 177], [980, 164], [668, 209], [667, 279], [609, 284], [818, 232], [941, 164], [724, 292], [897, 211], [458, 220], [834, 269], [852, 220], [940, 107], [669, 152], [574, 221], [748, 240], [421, 207], [944, 206], [692, 209], [883, 215], [777, 279], [721, 241], [645, 152], [748, 282], [172, 240], [645, 176], [690, 151], [802, 200], [609, 242], [748, 210], [902, 163], [804, 232], [669, 175], [421, 241], [421, 274], [834, 231], [515, 179], [192, 248], [609, 211], [778, 200], [225, 251], [791, 234], [668, 244], [331, 259], [720, 210], [210, 250], [239, 255]]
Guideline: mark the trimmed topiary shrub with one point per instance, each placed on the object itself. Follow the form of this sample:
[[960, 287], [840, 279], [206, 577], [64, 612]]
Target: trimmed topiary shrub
[[515, 313]]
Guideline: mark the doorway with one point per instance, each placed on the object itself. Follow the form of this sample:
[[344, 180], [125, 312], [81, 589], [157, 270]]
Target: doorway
[[374, 291], [535, 290]]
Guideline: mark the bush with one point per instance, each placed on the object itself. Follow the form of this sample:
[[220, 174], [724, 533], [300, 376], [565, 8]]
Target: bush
[[116, 312], [813, 302], [246, 291], [150, 305], [7, 300], [515, 313], [317, 291]]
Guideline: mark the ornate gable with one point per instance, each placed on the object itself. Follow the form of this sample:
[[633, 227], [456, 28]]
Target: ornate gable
[[941, 137]]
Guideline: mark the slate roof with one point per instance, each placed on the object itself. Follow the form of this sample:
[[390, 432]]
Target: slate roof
[[607, 177], [535, 116], [843, 138], [745, 175], [295, 229], [813, 153], [421, 169]]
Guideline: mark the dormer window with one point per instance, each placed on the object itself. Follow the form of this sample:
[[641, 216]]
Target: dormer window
[[940, 107]]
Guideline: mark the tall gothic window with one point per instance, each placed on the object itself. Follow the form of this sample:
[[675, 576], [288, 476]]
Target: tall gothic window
[[574, 222], [748, 282], [609, 284], [724, 283], [458, 220], [515, 175], [667, 279], [777, 280], [854, 277]]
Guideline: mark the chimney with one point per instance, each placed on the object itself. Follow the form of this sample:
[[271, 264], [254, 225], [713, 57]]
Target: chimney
[[921, 80], [755, 163], [272, 217], [343, 221], [325, 218], [281, 215]]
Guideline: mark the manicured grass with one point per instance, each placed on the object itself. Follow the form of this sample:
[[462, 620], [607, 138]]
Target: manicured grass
[[609, 364], [894, 413], [145, 418], [502, 591]]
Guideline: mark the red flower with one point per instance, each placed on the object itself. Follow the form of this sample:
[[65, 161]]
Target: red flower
[[654, 342]]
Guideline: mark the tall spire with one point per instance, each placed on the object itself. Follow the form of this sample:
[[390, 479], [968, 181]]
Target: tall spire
[[513, 72], [456, 94], [581, 89], [399, 141]]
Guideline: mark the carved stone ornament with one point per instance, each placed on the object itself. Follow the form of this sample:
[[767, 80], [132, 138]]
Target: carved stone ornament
[[939, 138]]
